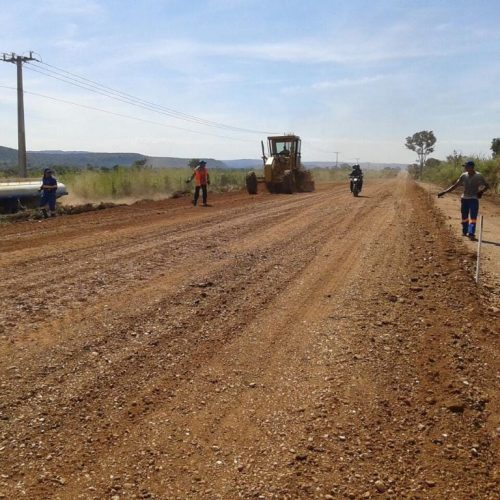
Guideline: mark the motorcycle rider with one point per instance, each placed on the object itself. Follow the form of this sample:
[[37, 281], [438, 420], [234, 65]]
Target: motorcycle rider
[[356, 172]]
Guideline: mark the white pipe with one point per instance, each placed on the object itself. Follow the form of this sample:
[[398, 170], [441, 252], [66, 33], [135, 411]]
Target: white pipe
[[22, 189]]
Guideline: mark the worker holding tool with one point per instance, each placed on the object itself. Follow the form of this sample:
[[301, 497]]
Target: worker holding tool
[[474, 186], [201, 180]]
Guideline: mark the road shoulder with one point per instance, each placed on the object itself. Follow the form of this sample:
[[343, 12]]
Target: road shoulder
[[449, 206]]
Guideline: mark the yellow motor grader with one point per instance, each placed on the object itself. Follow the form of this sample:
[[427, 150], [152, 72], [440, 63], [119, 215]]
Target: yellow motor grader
[[283, 171]]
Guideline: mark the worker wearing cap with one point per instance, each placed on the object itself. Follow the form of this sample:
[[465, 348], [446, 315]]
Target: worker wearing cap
[[201, 180], [474, 186], [48, 190]]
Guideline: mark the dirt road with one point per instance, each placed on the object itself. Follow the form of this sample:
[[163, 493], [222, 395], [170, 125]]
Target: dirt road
[[306, 346]]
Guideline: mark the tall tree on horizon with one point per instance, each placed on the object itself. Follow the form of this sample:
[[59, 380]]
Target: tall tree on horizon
[[495, 147], [423, 144]]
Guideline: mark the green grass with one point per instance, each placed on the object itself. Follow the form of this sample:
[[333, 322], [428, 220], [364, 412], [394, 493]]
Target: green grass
[[122, 182], [137, 183], [322, 175], [446, 173], [140, 183], [99, 187]]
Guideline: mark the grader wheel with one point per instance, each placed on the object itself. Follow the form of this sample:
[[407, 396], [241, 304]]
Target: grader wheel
[[271, 188], [251, 183], [288, 182]]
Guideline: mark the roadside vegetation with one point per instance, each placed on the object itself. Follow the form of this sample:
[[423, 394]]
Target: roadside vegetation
[[444, 173], [135, 182], [341, 174], [119, 183], [139, 182]]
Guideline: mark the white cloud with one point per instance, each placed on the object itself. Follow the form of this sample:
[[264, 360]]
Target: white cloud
[[8, 94], [70, 38], [357, 75], [219, 78], [70, 7], [347, 82], [71, 44], [305, 51]]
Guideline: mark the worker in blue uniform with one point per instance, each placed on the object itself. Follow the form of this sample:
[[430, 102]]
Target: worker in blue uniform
[[48, 190]]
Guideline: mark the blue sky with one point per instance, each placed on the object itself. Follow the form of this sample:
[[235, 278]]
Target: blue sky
[[350, 76]]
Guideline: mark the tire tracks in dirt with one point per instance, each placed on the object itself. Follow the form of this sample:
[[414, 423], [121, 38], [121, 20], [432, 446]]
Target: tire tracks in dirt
[[302, 346]]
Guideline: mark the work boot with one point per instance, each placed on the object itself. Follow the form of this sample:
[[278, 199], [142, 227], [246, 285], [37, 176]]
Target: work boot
[[44, 213], [472, 237]]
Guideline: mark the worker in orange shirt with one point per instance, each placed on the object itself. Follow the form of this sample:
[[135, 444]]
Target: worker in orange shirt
[[201, 181]]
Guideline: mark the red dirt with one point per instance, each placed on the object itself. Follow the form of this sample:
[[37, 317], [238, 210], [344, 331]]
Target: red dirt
[[306, 346]]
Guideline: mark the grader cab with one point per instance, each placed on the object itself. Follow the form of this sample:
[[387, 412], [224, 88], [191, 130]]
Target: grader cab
[[283, 171]]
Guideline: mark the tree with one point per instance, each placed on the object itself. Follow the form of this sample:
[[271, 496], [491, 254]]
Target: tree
[[413, 170], [432, 163], [456, 159], [192, 164], [140, 164], [422, 143], [495, 147]]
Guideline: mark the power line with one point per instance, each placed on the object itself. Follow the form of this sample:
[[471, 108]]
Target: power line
[[336, 153], [96, 87], [93, 108], [101, 87], [120, 99]]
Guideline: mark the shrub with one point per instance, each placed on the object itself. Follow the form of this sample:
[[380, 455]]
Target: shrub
[[139, 182], [448, 172]]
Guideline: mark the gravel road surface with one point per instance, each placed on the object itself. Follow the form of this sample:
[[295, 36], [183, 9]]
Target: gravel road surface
[[307, 346]]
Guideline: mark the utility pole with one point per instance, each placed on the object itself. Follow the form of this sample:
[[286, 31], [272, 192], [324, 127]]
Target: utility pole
[[21, 133], [336, 158]]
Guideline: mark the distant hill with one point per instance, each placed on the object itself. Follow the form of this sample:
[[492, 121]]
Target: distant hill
[[78, 159], [363, 165], [380, 166], [167, 161], [83, 159], [243, 163], [8, 156], [314, 164]]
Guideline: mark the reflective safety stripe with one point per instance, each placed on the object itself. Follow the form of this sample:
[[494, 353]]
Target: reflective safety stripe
[[465, 220], [473, 221]]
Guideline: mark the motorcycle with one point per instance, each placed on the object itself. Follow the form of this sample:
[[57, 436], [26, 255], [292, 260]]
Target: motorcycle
[[356, 183]]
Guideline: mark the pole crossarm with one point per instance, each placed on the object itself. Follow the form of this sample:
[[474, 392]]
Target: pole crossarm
[[14, 58]]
